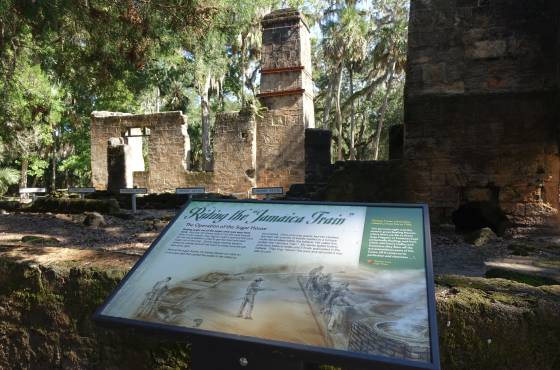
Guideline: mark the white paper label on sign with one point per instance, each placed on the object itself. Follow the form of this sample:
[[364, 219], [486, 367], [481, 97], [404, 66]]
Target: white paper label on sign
[[264, 191], [134, 191], [32, 190], [190, 191]]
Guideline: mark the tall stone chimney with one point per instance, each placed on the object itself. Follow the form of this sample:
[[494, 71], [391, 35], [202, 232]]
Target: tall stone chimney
[[287, 92], [286, 64]]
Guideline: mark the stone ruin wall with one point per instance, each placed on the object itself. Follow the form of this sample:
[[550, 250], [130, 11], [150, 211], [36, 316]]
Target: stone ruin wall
[[481, 105], [250, 150], [167, 148], [234, 153]]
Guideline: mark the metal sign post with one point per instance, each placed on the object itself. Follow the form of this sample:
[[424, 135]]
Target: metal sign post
[[133, 193], [32, 191], [81, 191]]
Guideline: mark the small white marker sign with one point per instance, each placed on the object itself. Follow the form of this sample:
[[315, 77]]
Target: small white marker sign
[[32, 190], [190, 191], [134, 191], [81, 190], [266, 191]]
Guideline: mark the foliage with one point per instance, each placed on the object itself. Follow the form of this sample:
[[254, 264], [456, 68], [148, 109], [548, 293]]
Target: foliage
[[8, 176], [359, 65]]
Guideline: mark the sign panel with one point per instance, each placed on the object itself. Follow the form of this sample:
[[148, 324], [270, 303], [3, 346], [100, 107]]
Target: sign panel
[[190, 191], [266, 191], [134, 191], [81, 190], [342, 280], [32, 190]]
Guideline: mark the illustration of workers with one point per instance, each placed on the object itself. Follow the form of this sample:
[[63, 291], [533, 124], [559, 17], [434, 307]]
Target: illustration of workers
[[337, 291], [313, 275], [149, 305], [340, 306], [323, 287], [246, 309]]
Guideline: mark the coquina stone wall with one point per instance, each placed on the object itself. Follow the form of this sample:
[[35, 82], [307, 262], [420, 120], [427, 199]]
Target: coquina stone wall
[[234, 153], [482, 104], [168, 147]]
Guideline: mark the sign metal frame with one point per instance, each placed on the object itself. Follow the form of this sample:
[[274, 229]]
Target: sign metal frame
[[190, 191], [273, 190], [303, 353], [133, 191], [81, 190]]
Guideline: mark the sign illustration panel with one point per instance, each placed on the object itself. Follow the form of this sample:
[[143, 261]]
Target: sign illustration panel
[[341, 277]]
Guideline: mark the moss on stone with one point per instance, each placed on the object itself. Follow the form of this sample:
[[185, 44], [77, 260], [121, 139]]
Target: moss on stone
[[39, 240], [45, 314], [497, 324], [521, 249], [73, 205], [45, 317], [520, 277]]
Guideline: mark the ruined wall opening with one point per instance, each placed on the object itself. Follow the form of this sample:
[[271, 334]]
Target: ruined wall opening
[[137, 140], [476, 215]]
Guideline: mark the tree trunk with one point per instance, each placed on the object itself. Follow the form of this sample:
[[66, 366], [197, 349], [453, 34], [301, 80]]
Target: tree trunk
[[339, 112], [157, 99], [328, 102], [243, 68], [205, 119], [382, 113], [23, 173], [352, 119], [53, 161]]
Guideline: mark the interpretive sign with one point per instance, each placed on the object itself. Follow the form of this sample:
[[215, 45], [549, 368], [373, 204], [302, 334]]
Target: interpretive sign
[[133, 191], [267, 191], [331, 280], [81, 190], [190, 191]]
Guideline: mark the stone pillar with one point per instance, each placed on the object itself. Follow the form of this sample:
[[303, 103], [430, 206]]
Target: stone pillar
[[396, 142], [116, 165], [286, 90], [318, 165], [286, 65]]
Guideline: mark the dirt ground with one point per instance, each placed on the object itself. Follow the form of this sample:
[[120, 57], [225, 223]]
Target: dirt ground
[[126, 239]]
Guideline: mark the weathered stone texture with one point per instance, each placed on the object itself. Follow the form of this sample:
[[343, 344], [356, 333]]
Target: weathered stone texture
[[485, 46], [481, 104], [234, 152]]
